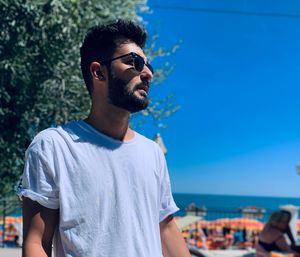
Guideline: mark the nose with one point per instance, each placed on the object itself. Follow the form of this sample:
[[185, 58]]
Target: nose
[[146, 74]]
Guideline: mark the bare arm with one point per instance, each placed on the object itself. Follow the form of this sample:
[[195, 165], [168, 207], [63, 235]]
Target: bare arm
[[282, 244], [39, 224], [172, 242]]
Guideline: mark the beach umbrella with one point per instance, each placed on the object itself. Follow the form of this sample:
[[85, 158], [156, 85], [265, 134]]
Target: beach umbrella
[[224, 222], [247, 223], [237, 223], [11, 219], [203, 223], [298, 225]]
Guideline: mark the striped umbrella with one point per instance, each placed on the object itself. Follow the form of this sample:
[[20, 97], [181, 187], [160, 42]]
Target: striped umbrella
[[11, 219], [238, 223], [247, 223], [224, 222], [298, 225]]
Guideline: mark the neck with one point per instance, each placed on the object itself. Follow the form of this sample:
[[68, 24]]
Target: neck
[[113, 123]]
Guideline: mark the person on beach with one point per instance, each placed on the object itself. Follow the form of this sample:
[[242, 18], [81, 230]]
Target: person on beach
[[95, 187], [272, 237]]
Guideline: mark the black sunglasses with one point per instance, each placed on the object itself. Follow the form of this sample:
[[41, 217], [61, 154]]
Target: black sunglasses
[[138, 61]]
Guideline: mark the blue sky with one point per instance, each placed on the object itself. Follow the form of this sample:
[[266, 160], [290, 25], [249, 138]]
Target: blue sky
[[237, 80]]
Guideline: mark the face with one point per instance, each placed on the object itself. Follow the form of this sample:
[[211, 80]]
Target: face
[[128, 88]]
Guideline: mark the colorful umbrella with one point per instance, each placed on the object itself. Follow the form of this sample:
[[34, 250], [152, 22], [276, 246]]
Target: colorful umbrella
[[238, 223], [247, 223]]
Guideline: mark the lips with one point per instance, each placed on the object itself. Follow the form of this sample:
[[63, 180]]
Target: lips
[[143, 87]]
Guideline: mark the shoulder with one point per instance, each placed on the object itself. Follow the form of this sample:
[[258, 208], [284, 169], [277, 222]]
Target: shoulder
[[143, 139], [148, 143], [50, 137], [43, 139], [153, 151], [270, 234]]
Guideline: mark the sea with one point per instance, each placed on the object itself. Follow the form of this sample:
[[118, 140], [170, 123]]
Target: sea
[[219, 206], [222, 206]]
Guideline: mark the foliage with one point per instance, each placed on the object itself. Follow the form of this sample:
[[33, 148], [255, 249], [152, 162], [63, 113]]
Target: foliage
[[40, 81]]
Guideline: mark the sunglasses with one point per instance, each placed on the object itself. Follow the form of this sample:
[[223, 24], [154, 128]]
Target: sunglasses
[[138, 61]]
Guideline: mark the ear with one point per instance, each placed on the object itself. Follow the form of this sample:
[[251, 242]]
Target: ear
[[97, 71]]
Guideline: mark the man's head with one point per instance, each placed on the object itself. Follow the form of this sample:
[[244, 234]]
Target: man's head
[[113, 53]]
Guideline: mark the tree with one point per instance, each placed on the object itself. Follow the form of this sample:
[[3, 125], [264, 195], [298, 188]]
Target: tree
[[40, 81]]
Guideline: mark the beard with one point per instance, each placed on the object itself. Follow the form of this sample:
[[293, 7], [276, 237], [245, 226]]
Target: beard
[[122, 96]]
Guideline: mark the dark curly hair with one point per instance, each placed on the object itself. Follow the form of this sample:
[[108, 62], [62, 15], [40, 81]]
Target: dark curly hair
[[101, 42]]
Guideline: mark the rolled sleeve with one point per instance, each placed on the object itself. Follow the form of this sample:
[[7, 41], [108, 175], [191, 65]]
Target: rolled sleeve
[[167, 203], [39, 180], [167, 210]]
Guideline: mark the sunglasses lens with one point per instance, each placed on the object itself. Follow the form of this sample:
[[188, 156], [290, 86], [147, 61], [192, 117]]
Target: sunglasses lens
[[150, 67], [139, 63]]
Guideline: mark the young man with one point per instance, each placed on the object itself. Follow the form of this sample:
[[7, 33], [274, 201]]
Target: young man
[[95, 187]]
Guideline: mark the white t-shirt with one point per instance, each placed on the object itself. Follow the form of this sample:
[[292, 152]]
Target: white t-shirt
[[111, 195]]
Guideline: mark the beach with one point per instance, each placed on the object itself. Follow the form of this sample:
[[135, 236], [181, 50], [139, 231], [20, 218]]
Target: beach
[[10, 252], [7, 252]]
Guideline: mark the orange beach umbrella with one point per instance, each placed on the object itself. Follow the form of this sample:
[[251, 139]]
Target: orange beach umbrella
[[247, 223], [238, 223]]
